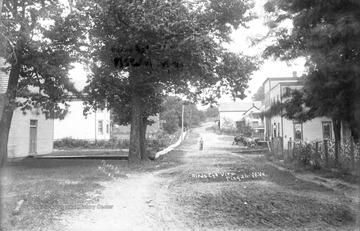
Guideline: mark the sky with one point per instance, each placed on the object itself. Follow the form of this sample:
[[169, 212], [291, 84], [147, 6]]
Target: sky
[[241, 43], [270, 67]]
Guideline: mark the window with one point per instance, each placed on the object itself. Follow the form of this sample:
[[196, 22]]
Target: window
[[33, 123], [100, 127], [107, 129], [287, 91], [326, 128], [298, 132]]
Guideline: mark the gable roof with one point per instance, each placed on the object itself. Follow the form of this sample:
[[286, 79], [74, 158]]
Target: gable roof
[[256, 109], [241, 106]]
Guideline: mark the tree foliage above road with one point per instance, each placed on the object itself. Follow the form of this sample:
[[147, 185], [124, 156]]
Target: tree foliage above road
[[171, 114], [145, 49], [212, 112]]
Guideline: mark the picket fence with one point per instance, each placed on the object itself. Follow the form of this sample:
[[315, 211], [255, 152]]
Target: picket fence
[[320, 153]]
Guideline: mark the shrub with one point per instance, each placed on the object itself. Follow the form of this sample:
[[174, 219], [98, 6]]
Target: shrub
[[70, 143], [155, 141]]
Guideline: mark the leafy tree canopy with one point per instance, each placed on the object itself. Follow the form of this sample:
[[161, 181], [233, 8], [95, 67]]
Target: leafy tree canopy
[[212, 111], [259, 95], [151, 48], [171, 112], [326, 32], [39, 40], [38, 44]]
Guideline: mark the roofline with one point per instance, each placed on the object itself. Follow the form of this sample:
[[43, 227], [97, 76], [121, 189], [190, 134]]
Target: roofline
[[279, 78], [243, 110], [287, 84], [253, 106]]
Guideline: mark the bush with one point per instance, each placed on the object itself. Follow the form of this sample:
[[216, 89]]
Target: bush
[[70, 143], [155, 141], [302, 154]]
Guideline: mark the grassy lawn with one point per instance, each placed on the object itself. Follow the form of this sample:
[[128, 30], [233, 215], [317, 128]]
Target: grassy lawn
[[51, 187], [47, 187]]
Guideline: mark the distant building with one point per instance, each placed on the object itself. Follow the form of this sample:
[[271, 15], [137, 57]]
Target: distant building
[[123, 132], [253, 117], [231, 112], [94, 126]]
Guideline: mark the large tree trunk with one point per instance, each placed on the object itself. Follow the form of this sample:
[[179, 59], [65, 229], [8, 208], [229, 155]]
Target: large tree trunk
[[136, 119], [143, 142], [337, 134], [5, 124], [7, 102]]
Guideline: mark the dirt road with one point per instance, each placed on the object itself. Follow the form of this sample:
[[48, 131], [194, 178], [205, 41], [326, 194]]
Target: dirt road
[[216, 189]]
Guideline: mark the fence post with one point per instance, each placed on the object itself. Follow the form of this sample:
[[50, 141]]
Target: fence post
[[316, 153], [309, 152], [282, 148], [352, 152], [326, 153], [269, 147]]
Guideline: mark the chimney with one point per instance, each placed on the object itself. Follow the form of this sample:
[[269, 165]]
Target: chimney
[[294, 74]]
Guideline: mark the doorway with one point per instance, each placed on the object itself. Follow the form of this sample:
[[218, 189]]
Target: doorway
[[33, 136]]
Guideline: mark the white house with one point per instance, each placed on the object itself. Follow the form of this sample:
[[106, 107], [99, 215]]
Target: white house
[[30, 133], [253, 118], [278, 126], [76, 125], [231, 112]]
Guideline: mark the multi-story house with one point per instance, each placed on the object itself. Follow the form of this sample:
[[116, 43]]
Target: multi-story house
[[320, 128]]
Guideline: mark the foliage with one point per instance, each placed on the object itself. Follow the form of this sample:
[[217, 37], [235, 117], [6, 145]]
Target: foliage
[[156, 142], [70, 143], [228, 126], [274, 110], [326, 33], [151, 48], [244, 128], [259, 95], [294, 107], [212, 112], [172, 114], [39, 40], [39, 54]]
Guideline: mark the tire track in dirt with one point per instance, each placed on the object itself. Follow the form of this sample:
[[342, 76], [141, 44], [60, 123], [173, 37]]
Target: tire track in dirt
[[172, 199]]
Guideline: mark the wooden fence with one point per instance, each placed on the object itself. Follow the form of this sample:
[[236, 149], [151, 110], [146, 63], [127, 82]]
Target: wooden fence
[[318, 153]]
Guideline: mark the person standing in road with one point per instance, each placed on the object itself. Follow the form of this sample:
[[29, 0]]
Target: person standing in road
[[201, 142]]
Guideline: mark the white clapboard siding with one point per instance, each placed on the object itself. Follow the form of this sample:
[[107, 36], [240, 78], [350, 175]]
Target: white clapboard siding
[[4, 77], [19, 135], [77, 126]]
